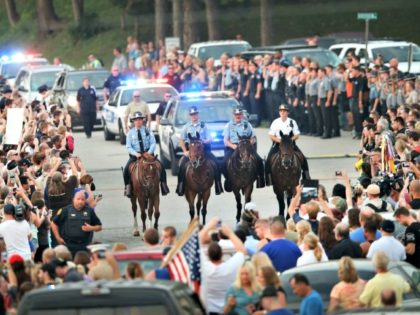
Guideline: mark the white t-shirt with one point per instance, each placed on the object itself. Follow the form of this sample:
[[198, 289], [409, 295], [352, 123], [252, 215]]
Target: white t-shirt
[[308, 257], [15, 235], [284, 126], [390, 246], [217, 279]]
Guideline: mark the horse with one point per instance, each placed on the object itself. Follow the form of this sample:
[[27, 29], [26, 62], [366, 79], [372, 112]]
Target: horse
[[242, 172], [145, 182], [286, 168], [199, 178]]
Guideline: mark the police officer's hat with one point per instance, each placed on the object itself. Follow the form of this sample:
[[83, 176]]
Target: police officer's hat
[[42, 88], [137, 115], [6, 90], [283, 107], [237, 111], [193, 110]]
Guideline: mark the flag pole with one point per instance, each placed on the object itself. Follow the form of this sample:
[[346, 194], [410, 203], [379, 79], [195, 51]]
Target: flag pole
[[180, 242]]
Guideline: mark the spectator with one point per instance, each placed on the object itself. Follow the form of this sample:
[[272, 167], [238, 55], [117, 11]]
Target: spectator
[[358, 235], [411, 239], [134, 271], [371, 295], [283, 253], [271, 303], [168, 237], [312, 251], [344, 246], [291, 233], [312, 302], [302, 227], [218, 275], [267, 276], [151, 237], [387, 243], [369, 230], [260, 260], [374, 201], [345, 294], [262, 230], [389, 298], [326, 234], [65, 272], [243, 293]]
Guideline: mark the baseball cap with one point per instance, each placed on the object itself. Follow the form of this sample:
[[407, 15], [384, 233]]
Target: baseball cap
[[388, 226], [57, 262], [16, 259], [373, 189], [9, 209]]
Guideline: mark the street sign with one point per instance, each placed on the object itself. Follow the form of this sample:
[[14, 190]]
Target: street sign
[[367, 16]]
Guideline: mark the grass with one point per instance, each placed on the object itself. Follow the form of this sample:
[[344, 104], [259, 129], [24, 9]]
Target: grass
[[397, 19]]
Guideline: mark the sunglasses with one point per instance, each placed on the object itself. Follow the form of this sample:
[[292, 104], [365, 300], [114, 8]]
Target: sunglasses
[[136, 96]]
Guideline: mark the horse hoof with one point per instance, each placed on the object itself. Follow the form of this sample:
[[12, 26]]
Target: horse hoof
[[136, 233]]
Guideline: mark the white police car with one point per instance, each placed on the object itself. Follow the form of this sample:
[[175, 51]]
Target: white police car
[[113, 111]]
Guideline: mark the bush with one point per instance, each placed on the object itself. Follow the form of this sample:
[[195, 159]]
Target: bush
[[88, 27]]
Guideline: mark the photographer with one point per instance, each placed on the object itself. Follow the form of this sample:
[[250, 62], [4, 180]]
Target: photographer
[[16, 232], [102, 264]]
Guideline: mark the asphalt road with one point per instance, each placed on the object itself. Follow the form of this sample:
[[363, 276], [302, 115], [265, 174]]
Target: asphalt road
[[103, 160]]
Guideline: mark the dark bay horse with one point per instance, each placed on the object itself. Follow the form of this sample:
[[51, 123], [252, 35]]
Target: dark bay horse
[[242, 172], [145, 182], [285, 171], [199, 177]]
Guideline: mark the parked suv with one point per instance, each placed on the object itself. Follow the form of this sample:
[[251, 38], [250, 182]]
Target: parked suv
[[113, 297], [69, 82]]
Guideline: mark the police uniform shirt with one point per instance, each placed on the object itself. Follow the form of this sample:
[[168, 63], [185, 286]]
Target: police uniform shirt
[[87, 98], [313, 87], [70, 222], [112, 83], [192, 129], [232, 129], [341, 83], [324, 87], [133, 144], [141, 107], [254, 79], [284, 126]]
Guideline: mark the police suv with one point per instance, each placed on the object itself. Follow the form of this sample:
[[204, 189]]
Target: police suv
[[113, 111], [215, 109]]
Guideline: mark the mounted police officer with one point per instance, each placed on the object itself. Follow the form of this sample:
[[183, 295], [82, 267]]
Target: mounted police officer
[[238, 126], [193, 128], [140, 140], [285, 125]]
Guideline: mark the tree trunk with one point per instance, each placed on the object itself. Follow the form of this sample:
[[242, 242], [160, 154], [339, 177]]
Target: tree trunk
[[177, 18], [190, 25], [212, 14], [122, 21], [48, 21], [160, 20], [265, 22], [77, 10], [12, 13]]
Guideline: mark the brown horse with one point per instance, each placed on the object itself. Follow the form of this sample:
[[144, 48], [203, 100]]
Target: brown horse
[[285, 171], [145, 182], [242, 171], [199, 177]]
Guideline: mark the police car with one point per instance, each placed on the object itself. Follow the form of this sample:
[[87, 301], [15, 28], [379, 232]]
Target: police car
[[113, 111], [215, 110]]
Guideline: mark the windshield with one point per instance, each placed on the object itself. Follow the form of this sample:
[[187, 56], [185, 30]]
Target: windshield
[[211, 111], [40, 78], [10, 70], [399, 52], [149, 95], [97, 80], [216, 51], [323, 57]]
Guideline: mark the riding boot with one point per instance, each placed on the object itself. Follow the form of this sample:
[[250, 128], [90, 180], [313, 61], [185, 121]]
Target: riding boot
[[228, 185], [180, 188], [260, 182], [218, 187], [127, 191], [164, 188], [268, 181]]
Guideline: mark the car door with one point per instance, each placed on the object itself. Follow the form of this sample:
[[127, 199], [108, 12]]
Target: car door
[[23, 84], [168, 130], [110, 112]]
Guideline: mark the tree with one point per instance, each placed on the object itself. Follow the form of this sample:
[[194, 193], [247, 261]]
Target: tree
[[48, 21], [265, 22], [177, 18], [190, 22], [12, 13], [77, 10], [212, 13], [160, 20]]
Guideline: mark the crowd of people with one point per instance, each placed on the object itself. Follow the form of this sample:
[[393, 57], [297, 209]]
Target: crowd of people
[[48, 203]]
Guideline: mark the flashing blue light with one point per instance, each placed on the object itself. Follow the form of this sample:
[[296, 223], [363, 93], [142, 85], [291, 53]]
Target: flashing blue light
[[134, 82], [5, 58], [18, 57], [213, 134]]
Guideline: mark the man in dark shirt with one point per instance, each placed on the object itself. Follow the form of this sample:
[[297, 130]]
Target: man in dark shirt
[[356, 101], [161, 108], [415, 194], [87, 106], [113, 81], [173, 78], [411, 239], [344, 246]]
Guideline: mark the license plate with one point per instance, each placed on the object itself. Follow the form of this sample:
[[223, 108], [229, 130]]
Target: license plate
[[219, 153]]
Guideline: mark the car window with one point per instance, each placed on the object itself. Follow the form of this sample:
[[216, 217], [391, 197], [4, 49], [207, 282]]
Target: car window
[[411, 275], [399, 52], [350, 52], [336, 51], [216, 51], [10, 70], [127, 310], [19, 78], [211, 111], [97, 80], [323, 57], [149, 94], [40, 78], [146, 264]]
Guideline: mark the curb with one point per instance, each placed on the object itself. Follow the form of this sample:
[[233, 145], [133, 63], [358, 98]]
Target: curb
[[331, 156]]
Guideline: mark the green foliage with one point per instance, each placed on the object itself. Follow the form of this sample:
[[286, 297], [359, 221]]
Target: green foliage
[[88, 27]]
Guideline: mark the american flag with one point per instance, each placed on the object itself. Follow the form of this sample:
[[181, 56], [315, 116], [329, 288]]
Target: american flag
[[184, 265]]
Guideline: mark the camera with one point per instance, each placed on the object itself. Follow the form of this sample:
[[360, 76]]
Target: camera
[[20, 212], [387, 182]]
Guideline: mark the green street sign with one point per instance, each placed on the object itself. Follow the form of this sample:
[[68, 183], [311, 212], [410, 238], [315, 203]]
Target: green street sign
[[367, 16]]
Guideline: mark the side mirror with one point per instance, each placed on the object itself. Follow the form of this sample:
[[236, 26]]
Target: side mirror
[[113, 104], [253, 119], [165, 122], [22, 89]]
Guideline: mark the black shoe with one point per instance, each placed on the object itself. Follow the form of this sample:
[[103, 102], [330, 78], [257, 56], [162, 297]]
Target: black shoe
[[218, 187], [260, 182], [164, 188], [268, 181], [326, 137], [228, 186], [127, 191], [180, 189], [89, 136]]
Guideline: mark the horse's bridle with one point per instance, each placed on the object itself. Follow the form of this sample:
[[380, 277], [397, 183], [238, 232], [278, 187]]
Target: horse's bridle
[[244, 159], [147, 181], [196, 160]]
